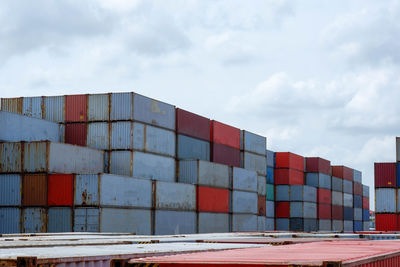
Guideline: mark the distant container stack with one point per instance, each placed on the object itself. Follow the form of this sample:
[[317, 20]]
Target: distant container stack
[[270, 197]]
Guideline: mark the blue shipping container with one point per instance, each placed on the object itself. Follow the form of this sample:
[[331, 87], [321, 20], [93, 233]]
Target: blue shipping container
[[303, 193], [86, 220], [357, 176], [358, 226], [282, 224], [252, 142], [270, 158], [86, 190], [204, 173], [54, 108], [192, 148], [337, 184], [244, 222], [136, 221], [254, 162], [174, 196], [282, 193], [34, 220], [121, 106], [365, 215], [59, 220], [243, 179], [357, 201], [269, 224], [10, 220], [10, 157], [98, 107], [32, 107], [153, 167], [98, 135], [270, 209], [213, 222], [168, 222], [244, 202], [348, 213], [270, 175], [10, 189]]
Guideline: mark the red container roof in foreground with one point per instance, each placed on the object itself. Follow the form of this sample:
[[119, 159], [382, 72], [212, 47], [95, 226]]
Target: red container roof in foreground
[[336, 253]]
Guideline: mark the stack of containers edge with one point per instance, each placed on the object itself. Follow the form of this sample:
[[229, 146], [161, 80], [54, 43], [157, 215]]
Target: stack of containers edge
[[346, 175], [270, 197], [253, 158], [357, 202], [318, 175]]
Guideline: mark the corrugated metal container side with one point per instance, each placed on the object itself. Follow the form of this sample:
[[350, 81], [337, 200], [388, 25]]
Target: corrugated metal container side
[[32, 107], [270, 209], [254, 162], [270, 175], [35, 157], [366, 226], [324, 196], [343, 172], [153, 112], [169, 222], [357, 226], [347, 187], [254, 143], [303, 225], [303, 210], [398, 173], [244, 222], [311, 179], [243, 179], [397, 148], [365, 203], [385, 174], [261, 220], [193, 125], [106, 162], [98, 107], [244, 202], [121, 162], [337, 184], [86, 190], [153, 167], [282, 209], [270, 192], [357, 189], [54, 107], [86, 220], [347, 226], [120, 191], [224, 134], [337, 212], [357, 202], [121, 106], [122, 134], [282, 192], [174, 196], [76, 134], [289, 160], [303, 193], [75, 108], [212, 199], [21, 128], [325, 225], [318, 165], [269, 224], [337, 225], [10, 220], [59, 220], [347, 200], [386, 222], [261, 205], [13, 105], [204, 173], [225, 155], [10, 157], [348, 213], [288, 176], [34, 190], [357, 176], [159, 141], [318, 180], [324, 211], [136, 221], [60, 190], [98, 135], [192, 148], [213, 222], [34, 220], [358, 216], [10, 189], [262, 185], [365, 214], [385, 200], [282, 224], [337, 198], [270, 158]]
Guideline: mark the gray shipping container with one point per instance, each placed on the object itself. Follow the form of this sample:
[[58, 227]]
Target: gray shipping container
[[192, 148], [365, 190], [10, 220], [270, 158], [86, 191], [303, 193], [337, 198], [86, 220], [10, 189], [252, 142], [282, 192], [366, 226], [320, 180], [347, 187], [357, 214], [254, 162], [204, 173], [34, 220], [337, 225], [282, 224], [244, 222], [98, 107], [32, 107], [325, 225], [270, 209], [357, 176], [262, 185], [385, 200], [136, 221], [348, 226], [153, 112], [261, 220], [123, 134], [168, 222], [303, 210], [59, 220], [337, 184], [269, 224], [98, 135], [175, 196], [121, 106], [10, 157], [213, 222], [347, 200], [15, 128], [54, 108], [244, 180], [244, 202]]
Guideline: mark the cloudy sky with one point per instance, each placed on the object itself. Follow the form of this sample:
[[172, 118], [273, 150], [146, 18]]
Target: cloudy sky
[[317, 77]]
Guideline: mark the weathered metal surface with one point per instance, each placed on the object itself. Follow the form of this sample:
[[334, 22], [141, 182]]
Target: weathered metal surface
[[269, 224], [225, 155], [244, 222], [192, 148], [32, 107], [59, 219], [347, 226], [13, 105], [262, 185], [174, 222], [282, 192], [325, 225], [10, 157], [121, 106], [123, 134], [86, 220], [270, 209], [303, 210], [303, 193], [10, 220], [193, 125], [357, 176], [98, 107], [54, 107], [365, 190], [320, 180], [358, 214], [270, 158], [348, 213], [261, 220], [357, 226], [98, 135], [254, 162], [244, 202], [337, 225], [385, 200], [252, 142], [76, 134], [34, 189], [86, 189], [160, 141], [347, 187], [125, 221], [303, 225], [153, 167], [270, 192], [244, 180], [337, 184], [34, 220], [174, 196], [60, 189], [347, 200], [204, 173], [75, 108], [282, 224], [153, 112], [121, 162], [357, 201], [213, 222], [10, 189], [337, 198]]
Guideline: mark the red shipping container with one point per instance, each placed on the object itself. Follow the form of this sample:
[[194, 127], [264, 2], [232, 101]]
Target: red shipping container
[[282, 209], [343, 172], [288, 176], [324, 196], [212, 199], [61, 190], [193, 125], [324, 211], [385, 174], [365, 203], [337, 212], [225, 155], [289, 160], [225, 135], [261, 205], [319, 165], [75, 108], [386, 222], [76, 134], [357, 189]]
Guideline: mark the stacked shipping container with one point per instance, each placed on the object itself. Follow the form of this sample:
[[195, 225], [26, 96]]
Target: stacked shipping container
[[270, 203]]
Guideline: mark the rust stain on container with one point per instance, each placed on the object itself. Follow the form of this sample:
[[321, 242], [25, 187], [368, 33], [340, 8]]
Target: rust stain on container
[[12, 105]]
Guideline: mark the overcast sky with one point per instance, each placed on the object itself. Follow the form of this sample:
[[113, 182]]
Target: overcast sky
[[317, 77]]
